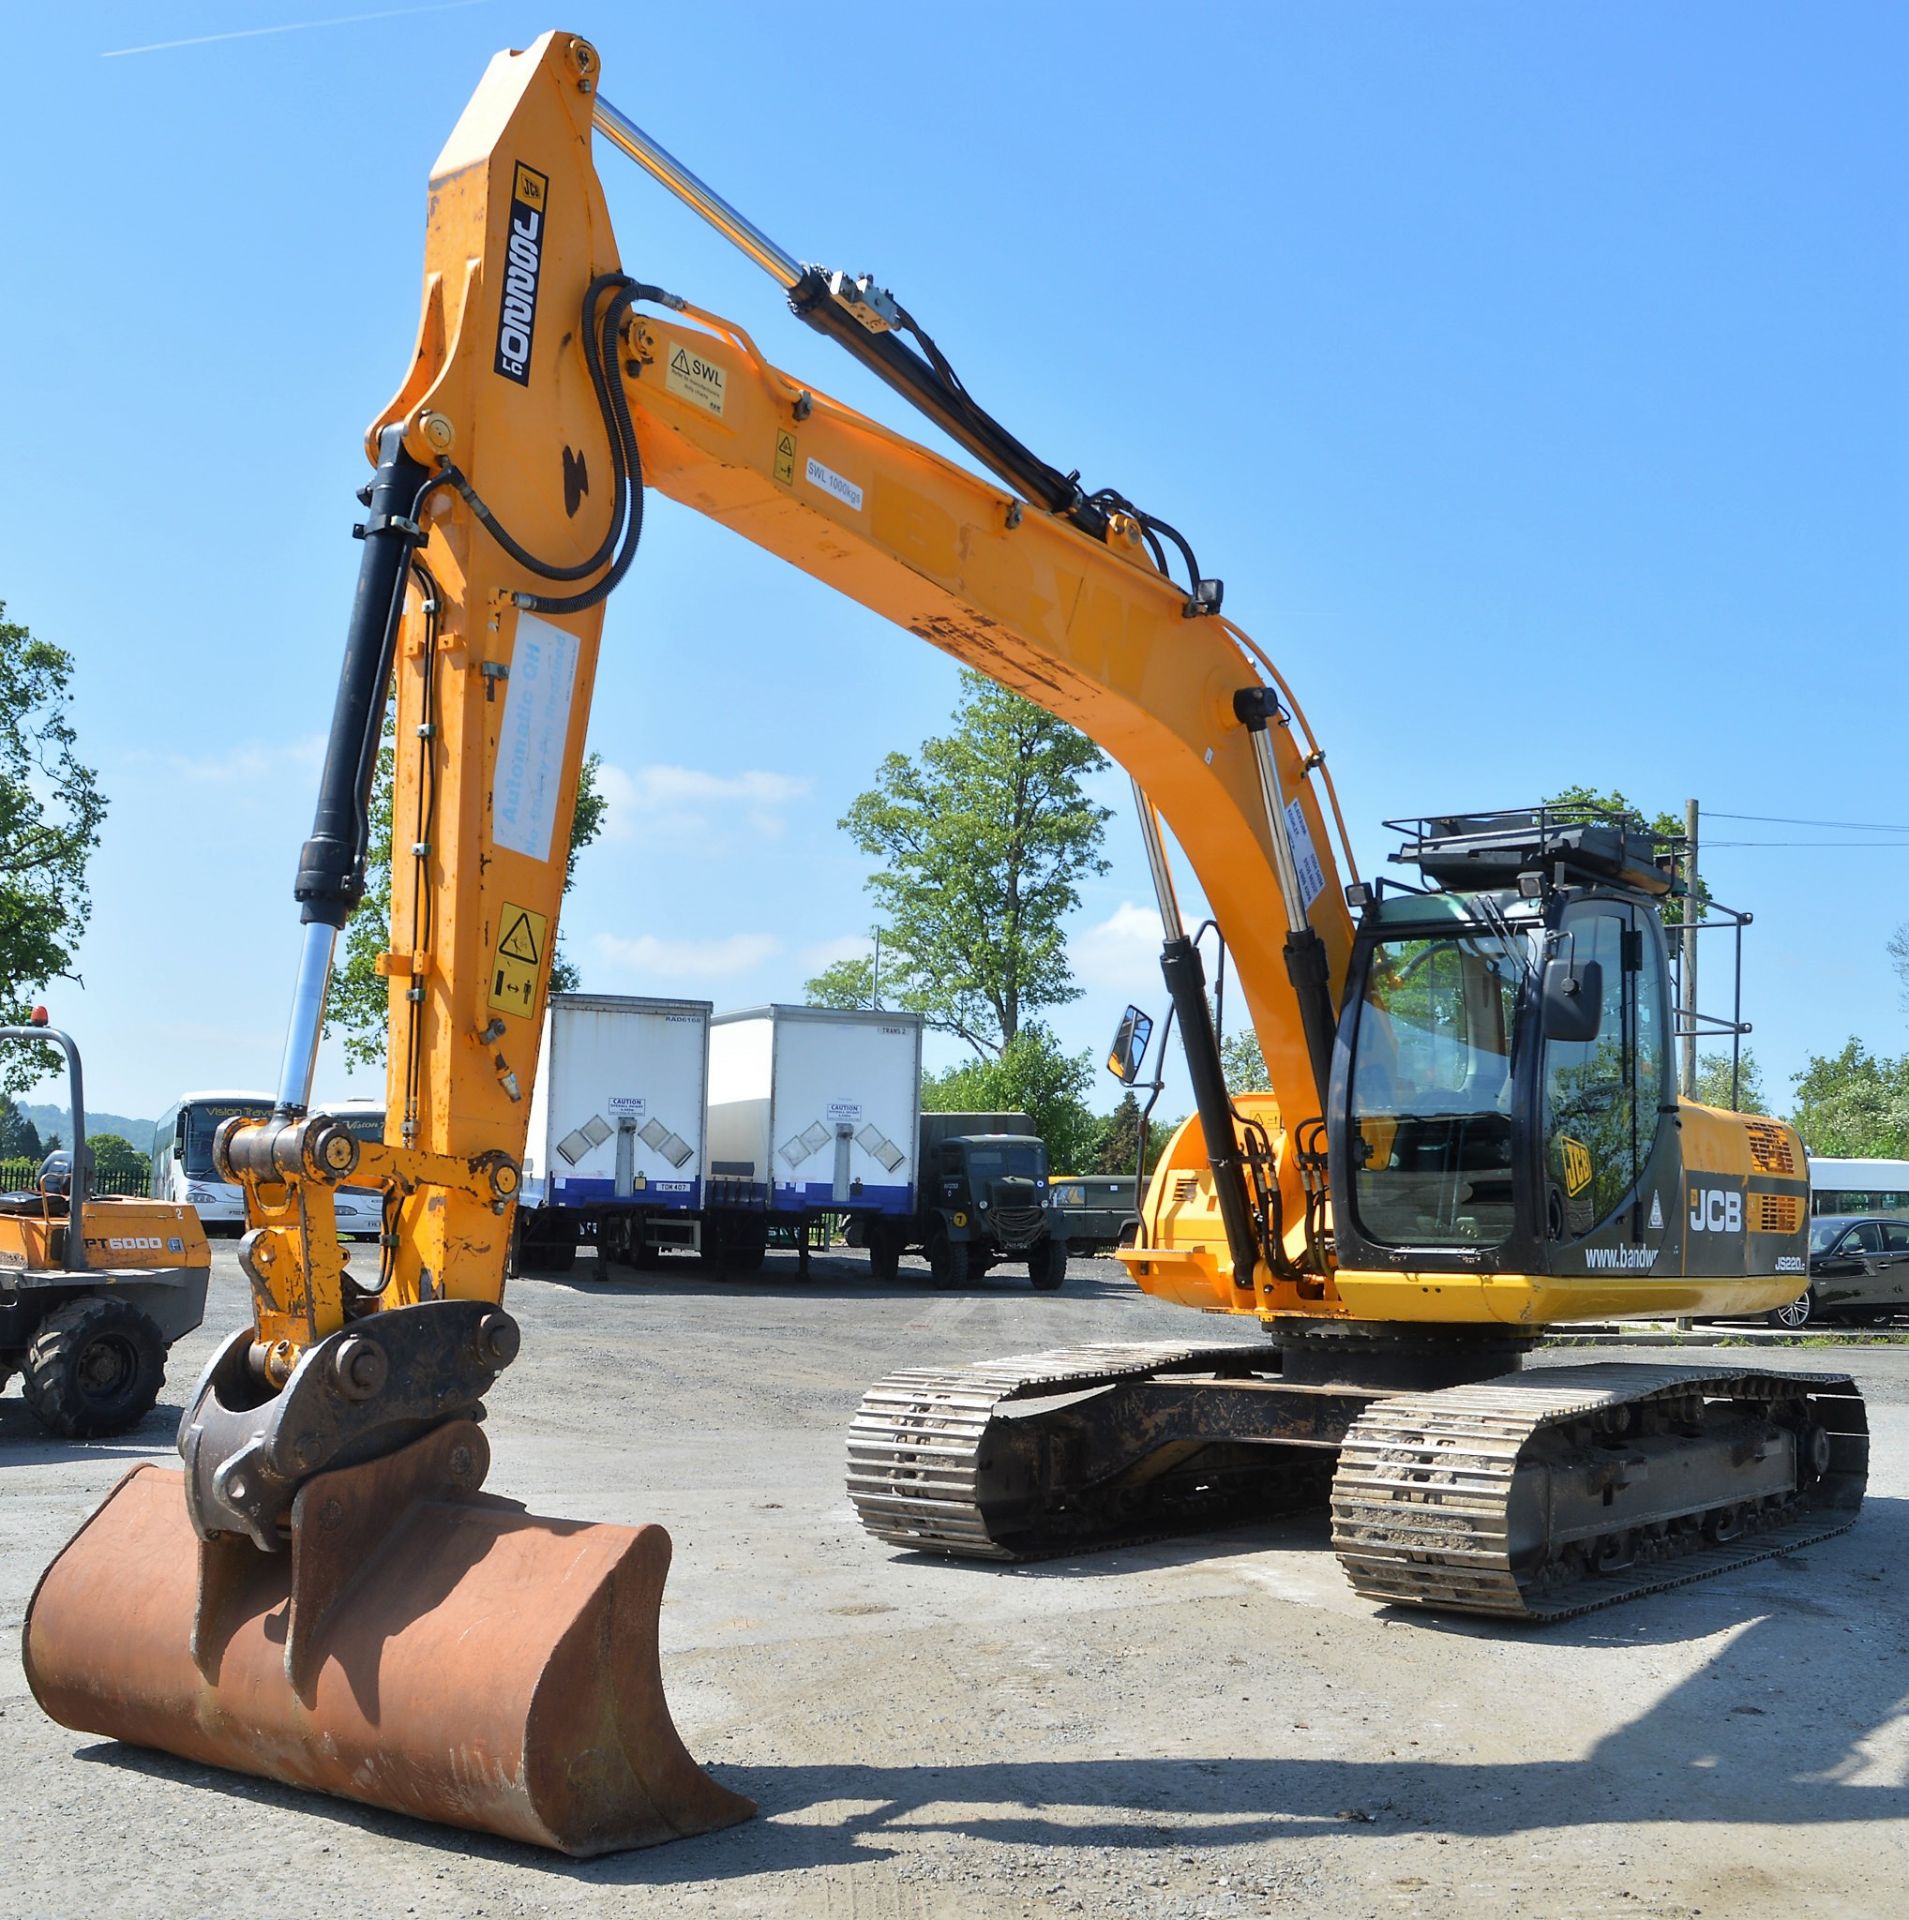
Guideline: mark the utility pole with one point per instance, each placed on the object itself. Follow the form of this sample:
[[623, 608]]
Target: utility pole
[[875, 986], [1690, 949]]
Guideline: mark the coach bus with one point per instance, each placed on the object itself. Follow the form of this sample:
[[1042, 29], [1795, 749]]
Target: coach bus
[[1859, 1186], [182, 1167]]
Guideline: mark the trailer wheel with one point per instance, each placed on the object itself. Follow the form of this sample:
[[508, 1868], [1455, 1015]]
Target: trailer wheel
[[644, 1256], [747, 1251], [948, 1261], [1047, 1265], [884, 1251], [95, 1368]]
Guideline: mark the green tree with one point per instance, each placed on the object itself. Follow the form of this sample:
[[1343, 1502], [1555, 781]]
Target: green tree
[[118, 1165], [984, 836], [1243, 1063], [1029, 1075], [358, 1005], [1854, 1104], [1119, 1146], [51, 812], [19, 1137], [1713, 1082]]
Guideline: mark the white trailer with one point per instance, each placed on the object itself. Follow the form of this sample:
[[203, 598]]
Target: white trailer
[[812, 1110], [617, 1129]]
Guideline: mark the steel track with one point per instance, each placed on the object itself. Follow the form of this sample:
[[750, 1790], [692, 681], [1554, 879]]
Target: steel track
[[943, 1460]]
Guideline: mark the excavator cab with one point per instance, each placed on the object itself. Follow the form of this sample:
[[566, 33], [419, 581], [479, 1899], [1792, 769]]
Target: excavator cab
[[1501, 1092]]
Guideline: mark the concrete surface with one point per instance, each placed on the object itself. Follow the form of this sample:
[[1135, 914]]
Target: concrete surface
[[1211, 1727]]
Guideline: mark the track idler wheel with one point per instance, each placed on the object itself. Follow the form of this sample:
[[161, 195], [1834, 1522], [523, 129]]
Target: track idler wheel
[[423, 1647]]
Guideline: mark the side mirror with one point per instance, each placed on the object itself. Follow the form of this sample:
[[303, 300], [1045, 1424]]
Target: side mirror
[[1573, 1000], [1130, 1046]]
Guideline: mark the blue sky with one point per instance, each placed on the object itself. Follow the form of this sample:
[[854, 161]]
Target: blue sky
[[1534, 376]]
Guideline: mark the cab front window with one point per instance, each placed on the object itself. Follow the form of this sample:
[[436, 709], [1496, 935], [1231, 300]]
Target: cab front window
[[1432, 1089]]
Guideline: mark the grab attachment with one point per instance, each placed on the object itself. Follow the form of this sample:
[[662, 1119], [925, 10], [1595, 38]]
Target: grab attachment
[[423, 1647]]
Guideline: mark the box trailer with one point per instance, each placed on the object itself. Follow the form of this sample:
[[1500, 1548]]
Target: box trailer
[[812, 1110], [618, 1125]]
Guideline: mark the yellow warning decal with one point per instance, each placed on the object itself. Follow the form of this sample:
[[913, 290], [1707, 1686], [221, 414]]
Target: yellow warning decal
[[697, 380], [785, 458], [1577, 1164], [518, 960]]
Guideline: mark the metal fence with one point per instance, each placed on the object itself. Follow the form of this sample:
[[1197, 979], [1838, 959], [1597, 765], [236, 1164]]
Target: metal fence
[[109, 1176]]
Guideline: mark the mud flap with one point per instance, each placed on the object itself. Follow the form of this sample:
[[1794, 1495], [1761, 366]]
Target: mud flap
[[424, 1647]]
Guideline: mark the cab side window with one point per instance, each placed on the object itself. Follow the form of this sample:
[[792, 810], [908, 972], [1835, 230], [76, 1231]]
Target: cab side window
[[1588, 1091], [1895, 1237], [1864, 1239]]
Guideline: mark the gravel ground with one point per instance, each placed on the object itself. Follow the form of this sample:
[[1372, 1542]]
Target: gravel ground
[[1215, 1726]]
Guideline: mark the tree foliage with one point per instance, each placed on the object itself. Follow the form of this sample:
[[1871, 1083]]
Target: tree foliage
[[984, 837], [1242, 1062], [118, 1165], [51, 812], [357, 1006], [1119, 1146], [1854, 1104], [1029, 1075], [19, 1137], [1713, 1083]]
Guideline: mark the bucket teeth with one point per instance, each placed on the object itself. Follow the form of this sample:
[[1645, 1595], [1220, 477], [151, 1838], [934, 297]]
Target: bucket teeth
[[424, 1647]]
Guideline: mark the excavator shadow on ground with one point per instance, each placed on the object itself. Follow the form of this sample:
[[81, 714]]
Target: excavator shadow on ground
[[1726, 1745]]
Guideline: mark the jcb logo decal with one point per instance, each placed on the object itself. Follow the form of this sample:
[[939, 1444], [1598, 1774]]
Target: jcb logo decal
[[1577, 1165], [1712, 1210], [523, 267]]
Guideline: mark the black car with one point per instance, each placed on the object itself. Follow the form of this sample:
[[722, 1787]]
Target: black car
[[1859, 1271]]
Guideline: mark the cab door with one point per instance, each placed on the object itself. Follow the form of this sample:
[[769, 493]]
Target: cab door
[[1602, 1098]]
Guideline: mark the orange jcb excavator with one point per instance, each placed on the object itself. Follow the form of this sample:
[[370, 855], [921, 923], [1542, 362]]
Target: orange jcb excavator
[[1470, 1134]]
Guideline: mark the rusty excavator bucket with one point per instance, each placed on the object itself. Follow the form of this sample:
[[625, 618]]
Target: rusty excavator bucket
[[423, 1647]]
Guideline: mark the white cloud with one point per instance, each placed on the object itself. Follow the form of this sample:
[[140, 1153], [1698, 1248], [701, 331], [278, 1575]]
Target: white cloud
[[688, 800], [1120, 953], [825, 953], [655, 958], [249, 762]]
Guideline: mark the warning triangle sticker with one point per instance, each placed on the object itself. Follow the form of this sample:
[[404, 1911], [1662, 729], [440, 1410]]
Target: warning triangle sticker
[[1656, 1211], [520, 943], [681, 363]]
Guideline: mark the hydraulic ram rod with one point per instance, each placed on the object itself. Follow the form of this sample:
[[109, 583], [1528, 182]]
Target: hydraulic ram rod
[[623, 132], [863, 319]]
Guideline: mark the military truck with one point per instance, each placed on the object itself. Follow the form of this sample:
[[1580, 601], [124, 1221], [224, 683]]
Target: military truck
[[982, 1201], [1099, 1208]]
